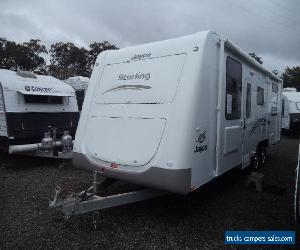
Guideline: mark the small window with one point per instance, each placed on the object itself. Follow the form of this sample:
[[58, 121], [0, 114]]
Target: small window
[[260, 96], [274, 88], [233, 89], [248, 101], [43, 99], [282, 110]]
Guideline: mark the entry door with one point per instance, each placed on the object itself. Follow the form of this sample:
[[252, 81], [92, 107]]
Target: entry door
[[233, 118], [273, 112], [249, 142]]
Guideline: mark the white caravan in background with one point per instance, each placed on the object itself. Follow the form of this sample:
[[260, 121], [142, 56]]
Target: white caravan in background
[[80, 85], [29, 105], [290, 109], [174, 114]]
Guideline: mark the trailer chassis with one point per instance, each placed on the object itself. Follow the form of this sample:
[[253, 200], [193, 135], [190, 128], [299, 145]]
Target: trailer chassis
[[90, 200]]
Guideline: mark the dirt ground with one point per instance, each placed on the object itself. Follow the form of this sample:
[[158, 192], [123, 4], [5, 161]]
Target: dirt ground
[[195, 221]]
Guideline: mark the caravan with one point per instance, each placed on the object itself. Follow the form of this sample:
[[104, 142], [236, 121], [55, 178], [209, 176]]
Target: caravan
[[32, 106], [290, 109], [174, 114]]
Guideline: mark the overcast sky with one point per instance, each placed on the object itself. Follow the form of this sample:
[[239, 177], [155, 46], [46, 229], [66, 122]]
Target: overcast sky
[[270, 28]]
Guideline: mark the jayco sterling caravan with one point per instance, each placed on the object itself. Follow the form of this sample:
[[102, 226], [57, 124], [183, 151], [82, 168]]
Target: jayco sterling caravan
[[172, 115], [290, 109], [37, 114]]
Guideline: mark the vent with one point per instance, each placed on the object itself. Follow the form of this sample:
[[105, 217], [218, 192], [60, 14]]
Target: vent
[[289, 90], [26, 74]]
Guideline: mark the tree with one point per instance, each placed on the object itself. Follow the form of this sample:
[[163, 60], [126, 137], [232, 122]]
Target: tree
[[68, 60], [37, 63], [26, 56], [257, 58], [94, 50], [291, 77], [7, 54]]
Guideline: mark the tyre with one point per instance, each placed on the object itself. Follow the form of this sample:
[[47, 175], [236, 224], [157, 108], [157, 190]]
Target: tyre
[[254, 163], [262, 155]]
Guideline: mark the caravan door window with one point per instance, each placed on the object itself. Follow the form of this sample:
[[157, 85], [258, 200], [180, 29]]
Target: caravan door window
[[233, 89], [43, 99], [260, 96], [274, 88]]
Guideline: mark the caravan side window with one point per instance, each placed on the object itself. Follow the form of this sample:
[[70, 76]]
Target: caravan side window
[[260, 96], [248, 101], [233, 89], [274, 87], [282, 110]]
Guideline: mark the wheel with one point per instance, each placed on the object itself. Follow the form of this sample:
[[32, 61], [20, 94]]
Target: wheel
[[254, 162], [262, 155]]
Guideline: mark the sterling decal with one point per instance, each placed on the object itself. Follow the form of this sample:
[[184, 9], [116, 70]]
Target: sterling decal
[[140, 57], [201, 139], [135, 76]]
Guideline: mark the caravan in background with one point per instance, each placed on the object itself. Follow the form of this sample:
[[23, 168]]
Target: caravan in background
[[290, 109], [37, 113]]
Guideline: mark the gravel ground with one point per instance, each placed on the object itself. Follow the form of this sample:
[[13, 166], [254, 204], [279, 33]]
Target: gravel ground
[[196, 221]]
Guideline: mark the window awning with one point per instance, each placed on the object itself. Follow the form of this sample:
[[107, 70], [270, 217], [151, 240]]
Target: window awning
[[46, 93]]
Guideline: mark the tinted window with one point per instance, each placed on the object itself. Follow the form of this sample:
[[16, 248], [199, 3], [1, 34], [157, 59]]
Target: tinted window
[[248, 101], [233, 89], [45, 99], [260, 96]]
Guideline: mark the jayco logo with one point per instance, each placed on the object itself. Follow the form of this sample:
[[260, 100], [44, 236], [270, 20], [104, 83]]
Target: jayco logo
[[201, 138], [142, 56]]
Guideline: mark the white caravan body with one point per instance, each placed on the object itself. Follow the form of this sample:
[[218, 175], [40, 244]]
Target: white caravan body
[[175, 114], [30, 103], [290, 108]]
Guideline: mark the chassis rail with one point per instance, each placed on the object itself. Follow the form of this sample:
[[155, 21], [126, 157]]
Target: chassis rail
[[89, 200]]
